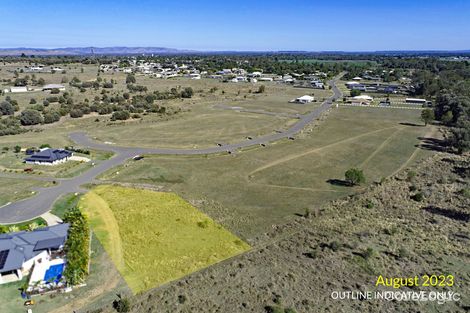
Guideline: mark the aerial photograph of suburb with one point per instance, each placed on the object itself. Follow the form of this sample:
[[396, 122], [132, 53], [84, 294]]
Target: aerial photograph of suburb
[[196, 156]]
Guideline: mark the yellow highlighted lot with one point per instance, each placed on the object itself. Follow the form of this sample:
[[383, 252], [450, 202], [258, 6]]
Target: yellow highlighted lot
[[155, 237]]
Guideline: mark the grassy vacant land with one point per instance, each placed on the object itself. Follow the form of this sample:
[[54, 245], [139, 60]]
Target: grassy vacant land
[[345, 247], [65, 203], [13, 189], [251, 190], [155, 237]]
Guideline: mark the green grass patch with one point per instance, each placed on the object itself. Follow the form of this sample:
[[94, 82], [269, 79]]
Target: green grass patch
[[65, 203], [154, 237]]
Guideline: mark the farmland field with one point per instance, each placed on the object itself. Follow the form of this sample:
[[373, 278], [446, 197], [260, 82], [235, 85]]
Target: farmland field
[[155, 237]]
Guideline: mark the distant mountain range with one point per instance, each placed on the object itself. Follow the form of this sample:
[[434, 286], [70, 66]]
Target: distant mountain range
[[90, 51], [84, 51]]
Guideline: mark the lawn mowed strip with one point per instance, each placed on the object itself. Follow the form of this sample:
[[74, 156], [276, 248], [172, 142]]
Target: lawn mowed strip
[[155, 237]]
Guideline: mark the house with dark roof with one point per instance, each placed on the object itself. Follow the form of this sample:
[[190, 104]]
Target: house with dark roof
[[20, 251], [49, 157]]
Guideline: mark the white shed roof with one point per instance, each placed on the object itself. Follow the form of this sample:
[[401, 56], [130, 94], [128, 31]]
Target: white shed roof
[[363, 97], [306, 98]]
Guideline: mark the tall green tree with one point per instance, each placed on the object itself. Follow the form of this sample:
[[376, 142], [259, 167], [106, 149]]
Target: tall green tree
[[427, 116], [354, 176]]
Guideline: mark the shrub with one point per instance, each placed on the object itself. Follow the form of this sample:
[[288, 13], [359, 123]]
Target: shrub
[[312, 254], [182, 299], [465, 192], [120, 115], [418, 197], [75, 113], [122, 304], [403, 253], [203, 224], [273, 309], [17, 149], [32, 101], [368, 253], [307, 213], [410, 175], [6, 108], [335, 246], [51, 117], [369, 204], [130, 79], [31, 117], [10, 126], [187, 92], [52, 99], [391, 231], [55, 91]]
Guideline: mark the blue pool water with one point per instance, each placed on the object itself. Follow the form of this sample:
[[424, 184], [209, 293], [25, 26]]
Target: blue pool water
[[54, 273]]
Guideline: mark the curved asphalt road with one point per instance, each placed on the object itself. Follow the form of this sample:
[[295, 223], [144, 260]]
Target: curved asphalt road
[[43, 200]]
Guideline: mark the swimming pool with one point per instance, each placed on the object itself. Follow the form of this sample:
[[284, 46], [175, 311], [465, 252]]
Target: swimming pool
[[54, 273]]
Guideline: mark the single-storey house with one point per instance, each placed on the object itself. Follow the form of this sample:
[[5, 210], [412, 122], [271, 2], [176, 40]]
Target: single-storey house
[[49, 156], [53, 86], [20, 251], [16, 89], [255, 74], [194, 76], [351, 84], [317, 84], [305, 99], [416, 101]]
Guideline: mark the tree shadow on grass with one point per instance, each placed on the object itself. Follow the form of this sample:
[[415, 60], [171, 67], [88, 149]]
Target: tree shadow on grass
[[411, 124], [452, 214], [432, 144], [339, 182]]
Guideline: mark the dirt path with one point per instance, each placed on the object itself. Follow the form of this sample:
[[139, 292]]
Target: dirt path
[[381, 146], [430, 133], [296, 156], [296, 188]]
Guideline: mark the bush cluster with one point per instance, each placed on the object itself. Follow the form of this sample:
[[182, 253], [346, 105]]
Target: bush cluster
[[77, 247]]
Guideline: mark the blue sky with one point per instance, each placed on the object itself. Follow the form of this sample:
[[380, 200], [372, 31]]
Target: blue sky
[[358, 25]]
